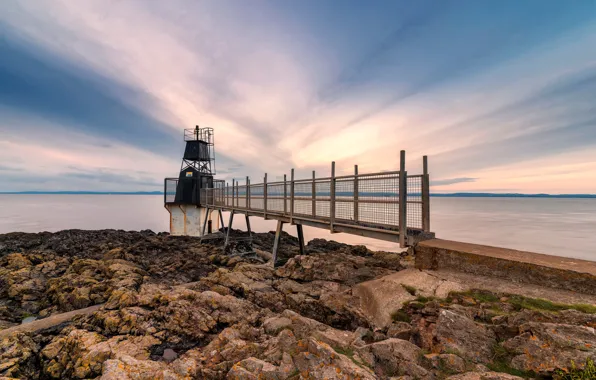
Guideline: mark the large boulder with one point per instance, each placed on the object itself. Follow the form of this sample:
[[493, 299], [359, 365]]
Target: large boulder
[[382, 297], [18, 357], [318, 360], [545, 347], [393, 357], [337, 267], [256, 369], [81, 354], [458, 333], [129, 368]]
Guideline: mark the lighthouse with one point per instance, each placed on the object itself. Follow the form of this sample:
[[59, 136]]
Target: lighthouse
[[182, 194]]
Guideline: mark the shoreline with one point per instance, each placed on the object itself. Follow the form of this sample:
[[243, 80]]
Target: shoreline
[[146, 304]]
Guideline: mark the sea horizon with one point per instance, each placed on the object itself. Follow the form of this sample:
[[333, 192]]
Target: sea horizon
[[455, 194]]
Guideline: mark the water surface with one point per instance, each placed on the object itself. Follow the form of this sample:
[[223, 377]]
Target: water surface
[[564, 227]]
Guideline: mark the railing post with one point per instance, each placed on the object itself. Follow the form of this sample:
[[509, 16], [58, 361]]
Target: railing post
[[265, 197], [356, 208], [292, 194], [314, 195], [285, 196], [332, 197], [403, 211], [233, 187], [247, 193], [425, 195], [237, 193], [227, 194]]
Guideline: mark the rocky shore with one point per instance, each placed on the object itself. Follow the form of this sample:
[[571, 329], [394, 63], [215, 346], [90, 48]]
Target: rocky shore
[[175, 308]]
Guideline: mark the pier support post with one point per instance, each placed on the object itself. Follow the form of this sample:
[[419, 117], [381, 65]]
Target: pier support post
[[403, 211], [229, 228], [300, 234], [221, 219], [425, 195], [246, 217], [276, 241], [207, 210]]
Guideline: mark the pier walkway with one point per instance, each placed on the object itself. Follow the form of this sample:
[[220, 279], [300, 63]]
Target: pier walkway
[[392, 206]]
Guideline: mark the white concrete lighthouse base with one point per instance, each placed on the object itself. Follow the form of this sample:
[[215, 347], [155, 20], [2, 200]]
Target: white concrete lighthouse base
[[187, 220]]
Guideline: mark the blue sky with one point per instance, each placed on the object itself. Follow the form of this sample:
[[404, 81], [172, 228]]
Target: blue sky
[[94, 95]]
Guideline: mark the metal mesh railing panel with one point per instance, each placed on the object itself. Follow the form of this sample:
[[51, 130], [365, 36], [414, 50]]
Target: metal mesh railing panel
[[344, 210], [241, 196], [414, 200], [171, 185], [275, 197], [256, 197], [303, 207], [367, 200]]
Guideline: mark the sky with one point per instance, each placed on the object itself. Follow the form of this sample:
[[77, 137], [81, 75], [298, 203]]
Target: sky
[[94, 95]]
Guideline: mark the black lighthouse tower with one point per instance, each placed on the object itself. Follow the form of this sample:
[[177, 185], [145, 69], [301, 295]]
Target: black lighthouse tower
[[197, 169]]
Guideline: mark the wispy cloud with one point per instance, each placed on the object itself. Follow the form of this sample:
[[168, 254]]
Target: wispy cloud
[[490, 92]]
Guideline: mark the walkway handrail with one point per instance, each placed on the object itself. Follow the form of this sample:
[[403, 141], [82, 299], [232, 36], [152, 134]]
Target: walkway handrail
[[390, 201]]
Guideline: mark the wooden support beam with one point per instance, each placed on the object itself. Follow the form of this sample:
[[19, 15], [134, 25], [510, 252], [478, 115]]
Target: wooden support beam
[[356, 206], [300, 234], [276, 241], [403, 198]]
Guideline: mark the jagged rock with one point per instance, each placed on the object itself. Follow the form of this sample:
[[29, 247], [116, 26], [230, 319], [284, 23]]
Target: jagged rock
[[255, 369], [446, 362], [274, 325], [337, 267], [484, 376], [129, 368], [81, 353], [304, 327], [544, 347], [469, 339], [400, 330], [18, 356], [318, 360], [393, 357]]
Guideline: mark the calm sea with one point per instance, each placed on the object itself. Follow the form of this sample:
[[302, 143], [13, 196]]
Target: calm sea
[[564, 227]]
